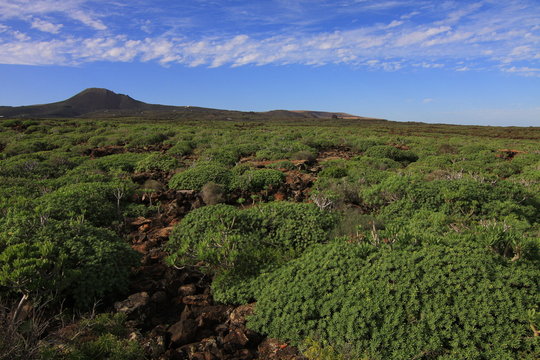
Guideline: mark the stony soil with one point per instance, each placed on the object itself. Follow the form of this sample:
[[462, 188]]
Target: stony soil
[[170, 311]]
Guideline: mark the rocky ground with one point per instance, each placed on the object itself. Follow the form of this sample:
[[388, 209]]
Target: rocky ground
[[170, 311]]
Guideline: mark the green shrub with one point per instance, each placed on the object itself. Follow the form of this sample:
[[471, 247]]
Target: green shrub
[[107, 347], [39, 165], [227, 156], [319, 143], [67, 259], [28, 146], [216, 234], [136, 210], [238, 244], [157, 162], [13, 187], [239, 169], [436, 302], [181, 148], [364, 144], [100, 169], [11, 123], [140, 140], [25, 166], [99, 140], [94, 201], [194, 178], [256, 180], [465, 197], [334, 172], [390, 152], [319, 350], [374, 163], [293, 227]]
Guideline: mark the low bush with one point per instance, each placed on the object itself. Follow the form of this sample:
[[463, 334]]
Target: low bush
[[227, 156], [239, 169], [436, 302], [27, 146], [256, 180], [141, 140], [157, 162], [285, 150], [390, 152], [196, 177], [181, 148], [217, 235], [238, 244], [363, 145], [66, 259], [93, 201], [335, 172]]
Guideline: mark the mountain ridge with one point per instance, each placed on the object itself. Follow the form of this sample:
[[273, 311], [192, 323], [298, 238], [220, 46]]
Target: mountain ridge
[[101, 102]]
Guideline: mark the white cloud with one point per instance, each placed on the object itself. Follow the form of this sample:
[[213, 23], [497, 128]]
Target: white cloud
[[499, 36], [523, 70], [87, 19], [46, 26], [427, 100], [521, 50], [20, 36], [420, 35], [33, 53], [28, 9], [393, 24], [427, 65]]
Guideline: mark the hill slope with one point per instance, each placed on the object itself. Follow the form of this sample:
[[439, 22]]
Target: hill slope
[[97, 103]]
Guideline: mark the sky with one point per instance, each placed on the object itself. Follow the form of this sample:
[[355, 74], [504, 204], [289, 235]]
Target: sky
[[436, 61]]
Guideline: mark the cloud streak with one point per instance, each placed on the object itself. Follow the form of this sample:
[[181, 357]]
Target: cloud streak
[[501, 37]]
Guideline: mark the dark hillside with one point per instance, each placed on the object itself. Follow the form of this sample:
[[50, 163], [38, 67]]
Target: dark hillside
[[103, 103]]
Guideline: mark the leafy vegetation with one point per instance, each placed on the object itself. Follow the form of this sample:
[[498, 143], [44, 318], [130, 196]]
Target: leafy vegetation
[[238, 244], [357, 239], [436, 301], [196, 177], [102, 337], [71, 259]]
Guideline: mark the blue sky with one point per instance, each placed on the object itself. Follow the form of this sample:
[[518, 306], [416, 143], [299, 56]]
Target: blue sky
[[467, 62]]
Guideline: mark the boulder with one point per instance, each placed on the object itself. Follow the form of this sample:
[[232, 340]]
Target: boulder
[[134, 304]]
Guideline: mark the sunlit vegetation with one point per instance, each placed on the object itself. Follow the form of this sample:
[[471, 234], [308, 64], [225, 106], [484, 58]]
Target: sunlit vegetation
[[356, 239]]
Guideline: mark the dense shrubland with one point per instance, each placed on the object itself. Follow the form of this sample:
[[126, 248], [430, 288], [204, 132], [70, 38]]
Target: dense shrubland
[[237, 245], [417, 241], [448, 301]]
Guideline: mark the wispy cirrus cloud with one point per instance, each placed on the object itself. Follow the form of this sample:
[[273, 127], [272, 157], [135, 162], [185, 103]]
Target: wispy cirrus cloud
[[28, 10], [386, 35]]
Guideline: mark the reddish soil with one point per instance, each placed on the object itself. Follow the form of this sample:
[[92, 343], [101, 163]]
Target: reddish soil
[[120, 149], [508, 154], [171, 310]]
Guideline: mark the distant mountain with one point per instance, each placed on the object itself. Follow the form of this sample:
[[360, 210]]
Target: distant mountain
[[99, 103], [86, 102]]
